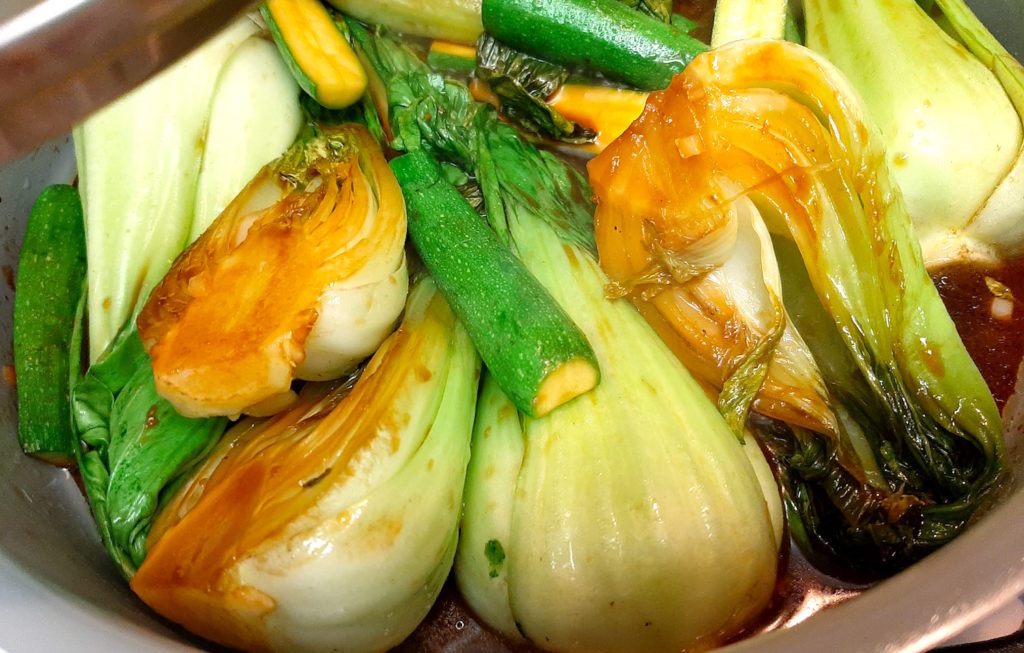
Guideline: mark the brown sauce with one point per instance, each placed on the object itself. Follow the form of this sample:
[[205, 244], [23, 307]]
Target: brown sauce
[[995, 343]]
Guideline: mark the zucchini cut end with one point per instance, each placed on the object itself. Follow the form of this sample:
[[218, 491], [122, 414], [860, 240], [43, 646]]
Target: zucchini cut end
[[565, 383]]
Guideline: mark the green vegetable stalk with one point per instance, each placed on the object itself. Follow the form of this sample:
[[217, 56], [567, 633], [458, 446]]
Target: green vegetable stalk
[[531, 346], [452, 20]]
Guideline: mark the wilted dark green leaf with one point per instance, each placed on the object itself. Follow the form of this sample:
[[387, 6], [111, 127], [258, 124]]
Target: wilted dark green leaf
[[134, 447], [523, 83]]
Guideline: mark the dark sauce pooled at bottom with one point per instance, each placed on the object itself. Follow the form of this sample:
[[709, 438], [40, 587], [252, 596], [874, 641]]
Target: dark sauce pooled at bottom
[[800, 591], [994, 341]]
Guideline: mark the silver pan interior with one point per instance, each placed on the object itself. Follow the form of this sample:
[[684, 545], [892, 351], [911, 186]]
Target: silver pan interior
[[58, 591]]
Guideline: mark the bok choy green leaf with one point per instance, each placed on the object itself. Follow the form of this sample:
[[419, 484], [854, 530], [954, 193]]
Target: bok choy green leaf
[[523, 85], [134, 447]]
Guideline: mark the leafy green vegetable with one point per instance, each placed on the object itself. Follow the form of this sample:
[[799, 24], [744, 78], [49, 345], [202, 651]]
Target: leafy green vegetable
[[644, 460], [134, 447], [523, 84], [139, 205], [767, 133], [335, 521]]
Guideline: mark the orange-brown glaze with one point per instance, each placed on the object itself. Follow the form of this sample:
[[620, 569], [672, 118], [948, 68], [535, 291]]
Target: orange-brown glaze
[[228, 324], [666, 189], [266, 474]]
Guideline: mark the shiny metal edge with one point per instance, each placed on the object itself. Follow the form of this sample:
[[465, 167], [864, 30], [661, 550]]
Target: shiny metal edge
[[62, 59]]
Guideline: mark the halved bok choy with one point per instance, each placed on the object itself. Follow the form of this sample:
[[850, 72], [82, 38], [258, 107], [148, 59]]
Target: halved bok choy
[[302, 276], [760, 134], [949, 101], [156, 166], [631, 518], [333, 525]]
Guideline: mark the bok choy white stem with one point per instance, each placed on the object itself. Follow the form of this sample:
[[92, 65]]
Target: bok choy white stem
[[767, 130], [949, 105], [141, 160]]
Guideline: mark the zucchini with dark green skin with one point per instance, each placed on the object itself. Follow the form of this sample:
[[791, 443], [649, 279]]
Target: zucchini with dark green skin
[[51, 277], [603, 35], [533, 349]]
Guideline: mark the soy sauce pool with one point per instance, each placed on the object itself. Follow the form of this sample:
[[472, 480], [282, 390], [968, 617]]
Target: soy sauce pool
[[990, 321]]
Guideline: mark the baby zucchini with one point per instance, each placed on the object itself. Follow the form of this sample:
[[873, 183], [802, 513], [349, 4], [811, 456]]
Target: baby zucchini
[[533, 349], [316, 51], [51, 276], [602, 35]]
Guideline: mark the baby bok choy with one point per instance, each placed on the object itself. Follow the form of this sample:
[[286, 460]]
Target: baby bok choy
[[333, 525], [157, 165], [767, 130], [302, 276], [631, 518], [949, 101]]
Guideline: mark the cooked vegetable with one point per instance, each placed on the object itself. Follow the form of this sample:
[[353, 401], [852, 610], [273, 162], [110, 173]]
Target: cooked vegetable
[[302, 276], [452, 20], [139, 206], [527, 341], [949, 106], [333, 524], [660, 9], [765, 129], [450, 57], [249, 125], [606, 36], [589, 528], [523, 84], [134, 447], [748, 19], [643, 469], [535, 96], [51, 278], [316, 51], [604, 110], [123, 184]]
